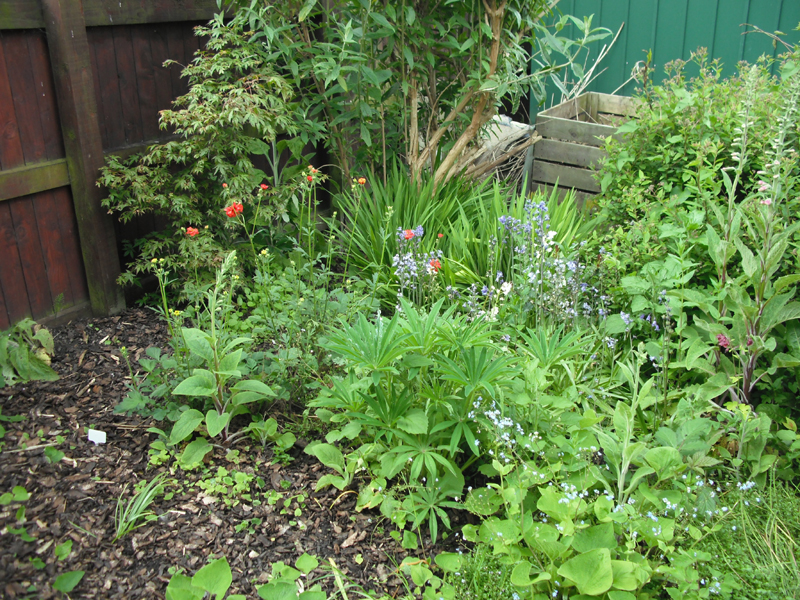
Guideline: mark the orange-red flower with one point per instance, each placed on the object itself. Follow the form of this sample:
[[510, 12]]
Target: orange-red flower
[[408, 234], [310, 178], [224, 185], [440, 236], [435, 265], [234, 209], [192, 231], [264, 186], [362, 180]]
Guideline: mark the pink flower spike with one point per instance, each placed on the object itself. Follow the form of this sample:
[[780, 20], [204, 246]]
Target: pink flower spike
[[766, 201]]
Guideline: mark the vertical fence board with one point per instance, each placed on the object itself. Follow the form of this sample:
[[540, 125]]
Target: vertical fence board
[[11, 277], [10, 145], [700, 20], [26, 232], [45, 96], [176, 53], [23, 90], [52, 247], [102, 39], [72, 261], [768, 16], [128, 88], [70, 56], [5, 322], [162, 76], [143, 59]]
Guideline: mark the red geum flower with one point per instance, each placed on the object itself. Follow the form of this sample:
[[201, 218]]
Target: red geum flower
[[234, 209], [435, 265], [723, 341], [264, 186], [224, 185], [310, 178], [362, 180], [440, 236], [408, 233], [192, 231]]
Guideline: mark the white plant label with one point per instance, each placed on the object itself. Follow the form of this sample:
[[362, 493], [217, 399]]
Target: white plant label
[[97, 436]]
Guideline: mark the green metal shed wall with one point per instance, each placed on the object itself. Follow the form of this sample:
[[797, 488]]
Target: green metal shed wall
[[675, 28]]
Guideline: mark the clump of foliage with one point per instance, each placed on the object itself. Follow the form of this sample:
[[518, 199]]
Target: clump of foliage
[[413, 79], [25, 353], [236, 108]]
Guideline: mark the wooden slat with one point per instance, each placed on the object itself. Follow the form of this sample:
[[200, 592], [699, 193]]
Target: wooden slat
[[70, 58], [578, 155], [145, 78], [159, 38], [582, 199], [102, 40], [128, 88], [45, 95], [574, 131], [98, 91], [5, 322], [72, 260], [566, 110], [31, 179], [10, 145], [11, 278], [44, 205], [176, 53], [23, 90], [27, 14], [616, 105], [26, 232], [569, 177]]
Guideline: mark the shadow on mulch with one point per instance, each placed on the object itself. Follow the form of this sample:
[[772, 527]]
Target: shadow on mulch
[[75, 499]]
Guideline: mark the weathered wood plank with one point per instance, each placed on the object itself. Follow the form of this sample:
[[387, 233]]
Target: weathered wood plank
[[128, 87], [102, 40], [44, 205], [564, 152], [45, 95], [176, 53], [71, 63], [582, 199], [23, 90], [27, 14], [568, 177], [616, 105], [145, 78], [565, 110], [98, 92], [573, 131], [10, 145], [11, 276], [5, 322], [31, 179], [26, 232], [63, 207], [159, 47]]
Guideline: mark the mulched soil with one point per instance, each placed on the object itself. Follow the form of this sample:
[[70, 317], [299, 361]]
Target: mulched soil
[[75, 499]]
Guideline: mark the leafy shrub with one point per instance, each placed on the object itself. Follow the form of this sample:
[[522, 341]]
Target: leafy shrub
[[236, 108], [25, 352]]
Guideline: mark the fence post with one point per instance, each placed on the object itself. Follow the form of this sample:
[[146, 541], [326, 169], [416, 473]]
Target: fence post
[[77, 108]]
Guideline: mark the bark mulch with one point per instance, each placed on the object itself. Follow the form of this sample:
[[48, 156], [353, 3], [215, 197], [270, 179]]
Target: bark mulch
[[75, 499]]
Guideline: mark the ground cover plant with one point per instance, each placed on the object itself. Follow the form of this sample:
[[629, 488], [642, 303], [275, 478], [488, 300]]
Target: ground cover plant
[[443, 388]]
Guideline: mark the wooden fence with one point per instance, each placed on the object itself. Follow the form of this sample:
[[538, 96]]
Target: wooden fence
[[79, 79]]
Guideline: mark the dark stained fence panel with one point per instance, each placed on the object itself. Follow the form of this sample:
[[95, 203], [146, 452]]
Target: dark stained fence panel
[[45, 96], [12, 279]]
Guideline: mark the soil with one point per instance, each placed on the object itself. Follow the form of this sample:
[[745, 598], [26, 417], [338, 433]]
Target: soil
[[75, 499]]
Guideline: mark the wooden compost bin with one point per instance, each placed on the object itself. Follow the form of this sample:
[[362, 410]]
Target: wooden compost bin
[[572, 137]]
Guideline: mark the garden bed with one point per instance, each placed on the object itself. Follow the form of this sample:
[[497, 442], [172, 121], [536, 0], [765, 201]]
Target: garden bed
[[74, 500]]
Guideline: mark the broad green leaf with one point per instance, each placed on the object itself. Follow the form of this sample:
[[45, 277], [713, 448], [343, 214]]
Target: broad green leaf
[[230, 364], [590, 572], [198, 343], [180, 588], [599, 536], [215, 578], [306, 563], [328, 455], [414, 422], [278, 590], [202, 383], [663, 458], [216, 422], [66, 582], [449, 561], [194, 453], [185, 426], [306, 10]]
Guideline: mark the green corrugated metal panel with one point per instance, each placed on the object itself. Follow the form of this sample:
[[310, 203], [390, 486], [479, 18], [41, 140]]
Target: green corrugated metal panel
[[675, 28]]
